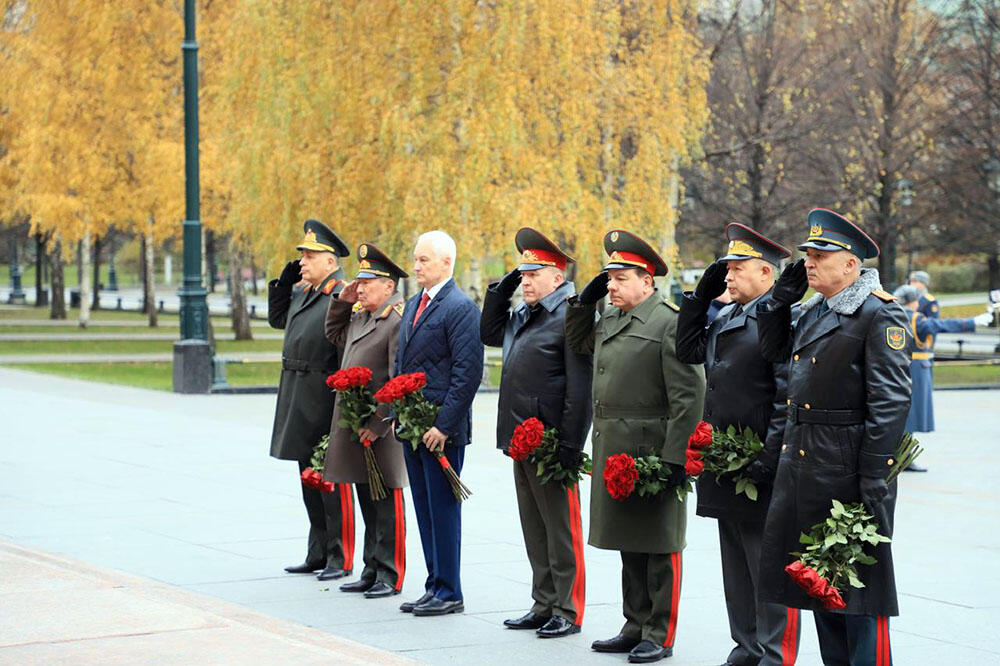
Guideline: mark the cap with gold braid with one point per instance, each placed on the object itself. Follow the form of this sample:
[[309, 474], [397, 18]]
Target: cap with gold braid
[[831, 232], [537, 251], [373, 263], [320, 238], [626, 250], [745, 243]]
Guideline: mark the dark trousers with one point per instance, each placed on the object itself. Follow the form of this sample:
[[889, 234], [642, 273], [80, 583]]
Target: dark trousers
[[765, 633], [385, 536], [439, 518], [651, 593], [331, 525], [553, 538], [853, 640]]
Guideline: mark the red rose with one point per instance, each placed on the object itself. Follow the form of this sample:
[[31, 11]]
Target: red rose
[[813, 584], [620, 475], [694, 465], [831, 599], [349, 378], [702, 436]]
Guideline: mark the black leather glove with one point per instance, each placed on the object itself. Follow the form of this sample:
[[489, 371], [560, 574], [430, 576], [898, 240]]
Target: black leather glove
[[509, 283], [792, 285], [596, 289], [759, 473], [569, 457], [677, 474], [712, 282], [291, 274], [873, 491]]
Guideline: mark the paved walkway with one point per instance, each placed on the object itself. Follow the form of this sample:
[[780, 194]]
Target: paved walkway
[[90, 337], [179, 490]]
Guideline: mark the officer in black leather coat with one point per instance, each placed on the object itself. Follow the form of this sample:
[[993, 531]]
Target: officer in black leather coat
[[848, 396], [543, 378], [746, 391]]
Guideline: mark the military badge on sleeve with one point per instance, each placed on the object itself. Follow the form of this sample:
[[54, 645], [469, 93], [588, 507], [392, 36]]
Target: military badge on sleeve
[[895, 336]]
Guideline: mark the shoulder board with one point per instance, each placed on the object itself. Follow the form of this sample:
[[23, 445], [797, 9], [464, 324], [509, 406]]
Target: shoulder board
[[883, 295], [328, 287], [357, 307], [930, 297], [671, 305], [398, 307]]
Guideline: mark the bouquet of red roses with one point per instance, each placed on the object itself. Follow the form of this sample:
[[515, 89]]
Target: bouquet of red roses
[[835, 545], [724, 452], [356, 407], [415, 415], [312, 476], [647, 476], [534, 442]]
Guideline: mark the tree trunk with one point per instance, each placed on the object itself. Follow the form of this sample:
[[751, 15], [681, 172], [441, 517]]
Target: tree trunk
[[993, 269], [240, 313], [41, 295], [253, 277], [96, 302], [58, 307], [148, 293], [143, 278], [85, 280]]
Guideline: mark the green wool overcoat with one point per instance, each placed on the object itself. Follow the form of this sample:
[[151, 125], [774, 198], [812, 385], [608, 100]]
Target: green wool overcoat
[[645, 402], [305, 403]]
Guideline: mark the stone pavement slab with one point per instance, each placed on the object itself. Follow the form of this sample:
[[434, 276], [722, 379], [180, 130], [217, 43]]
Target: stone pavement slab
[[179, 490]]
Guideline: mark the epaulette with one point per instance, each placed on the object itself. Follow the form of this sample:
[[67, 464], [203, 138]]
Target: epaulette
[[398, 307], [882, 294], [328, 287], [671, 305], [357, 307], [930, 297]]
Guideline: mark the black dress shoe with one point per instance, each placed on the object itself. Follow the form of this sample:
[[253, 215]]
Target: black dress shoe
[[380, 589], [305, 567], [620, 643], [558, 626], [332, 573], [362, 585], [408, 606], [530, 620], [648, 651], [914, 467], [435, 606]]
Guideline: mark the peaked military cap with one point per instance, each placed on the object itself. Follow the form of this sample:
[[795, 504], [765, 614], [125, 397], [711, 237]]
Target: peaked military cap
[[626, 250], [745, 243], [921, 276], [831, 232], [373, 263], [320, 238], [537, 251], [906, 294]]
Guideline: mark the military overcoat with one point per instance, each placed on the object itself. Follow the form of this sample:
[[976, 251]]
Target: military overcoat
[[848, 395], [369, 340], [645, 402], [305, 404]]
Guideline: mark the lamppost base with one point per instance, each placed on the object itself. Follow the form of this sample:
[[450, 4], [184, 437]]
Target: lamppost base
[[193, 368]]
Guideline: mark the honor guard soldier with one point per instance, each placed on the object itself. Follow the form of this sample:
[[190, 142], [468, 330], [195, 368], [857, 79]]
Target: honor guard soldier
[[921, 350], [746, 391], [305, 405], [544, 379], [848, 395], [646, 402], [927, 305], [364, 321]]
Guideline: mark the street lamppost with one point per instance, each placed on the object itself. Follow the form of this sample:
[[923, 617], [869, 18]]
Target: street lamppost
[[192, 354], [16, 292], [905, 189], [992, 171]]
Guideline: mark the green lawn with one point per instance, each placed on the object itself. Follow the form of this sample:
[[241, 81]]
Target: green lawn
[[157, 376], [128, 346], [949, 374], [21, 312], [951, 311]]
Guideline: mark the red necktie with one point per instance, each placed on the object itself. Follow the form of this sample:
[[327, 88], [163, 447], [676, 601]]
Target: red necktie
[[424, 300]]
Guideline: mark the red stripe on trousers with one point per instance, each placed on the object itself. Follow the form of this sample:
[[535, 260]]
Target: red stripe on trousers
[[882, 654], [789, 644], [576, 534], [675, 598], [400, 551], [347, 524]]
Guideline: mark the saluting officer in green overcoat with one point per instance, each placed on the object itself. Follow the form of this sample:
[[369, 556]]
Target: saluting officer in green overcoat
[[297, 303], [364, 319], [646, 402]]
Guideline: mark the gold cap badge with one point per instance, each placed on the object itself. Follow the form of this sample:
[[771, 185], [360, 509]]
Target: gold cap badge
[[614, 236], [363, 251], [529, 257], [744, 248], [815, 230], [311, 236]]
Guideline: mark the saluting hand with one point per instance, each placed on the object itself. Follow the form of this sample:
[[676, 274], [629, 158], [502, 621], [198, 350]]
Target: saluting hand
[[792, 285], [712, 282], [291, 274], [596, 289], [349, 294], [434, 439], [509, 284]]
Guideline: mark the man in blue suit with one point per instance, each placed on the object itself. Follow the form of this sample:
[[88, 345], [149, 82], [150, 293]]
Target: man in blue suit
[[439, 336]]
